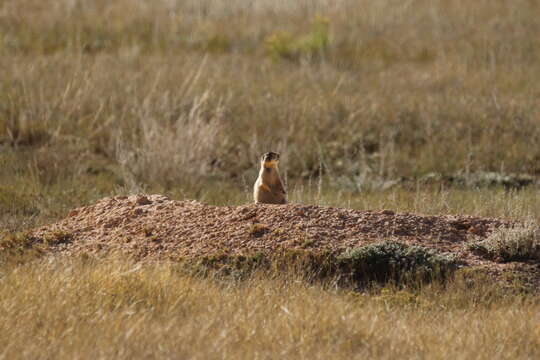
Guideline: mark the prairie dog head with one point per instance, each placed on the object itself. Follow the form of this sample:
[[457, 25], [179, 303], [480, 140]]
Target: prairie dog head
[[270, 160]]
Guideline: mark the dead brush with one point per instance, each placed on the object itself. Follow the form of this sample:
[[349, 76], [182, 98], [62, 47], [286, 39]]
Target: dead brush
[[511, 244], [57, 237], [178, 149]]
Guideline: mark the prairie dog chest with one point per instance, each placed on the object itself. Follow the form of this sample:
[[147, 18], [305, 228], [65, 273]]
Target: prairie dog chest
[[269, 176]]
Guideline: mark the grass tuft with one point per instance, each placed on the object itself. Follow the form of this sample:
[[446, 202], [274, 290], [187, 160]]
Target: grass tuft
[[511, 244]]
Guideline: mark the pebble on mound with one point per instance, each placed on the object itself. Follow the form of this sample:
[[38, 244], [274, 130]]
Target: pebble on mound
[[156, 227]]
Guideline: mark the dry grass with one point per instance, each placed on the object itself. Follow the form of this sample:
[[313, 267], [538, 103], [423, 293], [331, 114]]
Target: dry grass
[[512, 244], [116, 309], [400, 90]]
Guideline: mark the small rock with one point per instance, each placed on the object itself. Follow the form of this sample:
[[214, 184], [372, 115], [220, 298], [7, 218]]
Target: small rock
[[159, 198], [476, 230], [142, 200]]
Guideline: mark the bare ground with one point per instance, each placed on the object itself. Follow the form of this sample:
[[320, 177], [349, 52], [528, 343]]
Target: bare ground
[[156, 227]]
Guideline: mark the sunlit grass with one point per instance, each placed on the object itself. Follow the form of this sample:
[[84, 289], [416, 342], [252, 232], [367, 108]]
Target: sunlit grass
[[112, 308]]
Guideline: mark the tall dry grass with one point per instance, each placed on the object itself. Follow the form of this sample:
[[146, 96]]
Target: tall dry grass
[[116, 309], [399, 90]]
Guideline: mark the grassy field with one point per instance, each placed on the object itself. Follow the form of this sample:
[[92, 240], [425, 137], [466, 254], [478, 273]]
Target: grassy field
[[421, 106]]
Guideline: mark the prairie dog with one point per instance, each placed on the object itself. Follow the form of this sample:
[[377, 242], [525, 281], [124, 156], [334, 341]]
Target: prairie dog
[[269, 188]]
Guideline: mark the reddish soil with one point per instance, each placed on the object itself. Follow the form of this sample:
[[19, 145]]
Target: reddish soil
[[153, 226]]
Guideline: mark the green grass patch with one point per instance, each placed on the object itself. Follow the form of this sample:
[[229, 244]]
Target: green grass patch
[[313, 45]]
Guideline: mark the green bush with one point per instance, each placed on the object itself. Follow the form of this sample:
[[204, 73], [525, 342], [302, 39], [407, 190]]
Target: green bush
[[283, 45], [390, 259], [380, 262]]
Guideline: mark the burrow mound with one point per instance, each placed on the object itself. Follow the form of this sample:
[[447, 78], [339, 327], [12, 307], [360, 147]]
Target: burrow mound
[[156, 227]]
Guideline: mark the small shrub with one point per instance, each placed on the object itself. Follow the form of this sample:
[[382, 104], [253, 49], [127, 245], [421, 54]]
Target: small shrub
[[318, 40], [511, 244], [283, 45], [390, 259]]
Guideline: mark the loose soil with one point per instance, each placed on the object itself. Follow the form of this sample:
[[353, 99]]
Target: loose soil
[[156, 227]]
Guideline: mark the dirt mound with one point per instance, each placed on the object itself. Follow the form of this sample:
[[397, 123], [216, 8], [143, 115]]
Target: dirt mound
[[154, 226]]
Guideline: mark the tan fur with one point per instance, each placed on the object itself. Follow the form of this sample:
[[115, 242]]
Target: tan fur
[[269, 188]]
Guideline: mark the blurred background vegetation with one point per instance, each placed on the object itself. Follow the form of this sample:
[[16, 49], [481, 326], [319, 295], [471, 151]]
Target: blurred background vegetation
[[424, 105]]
